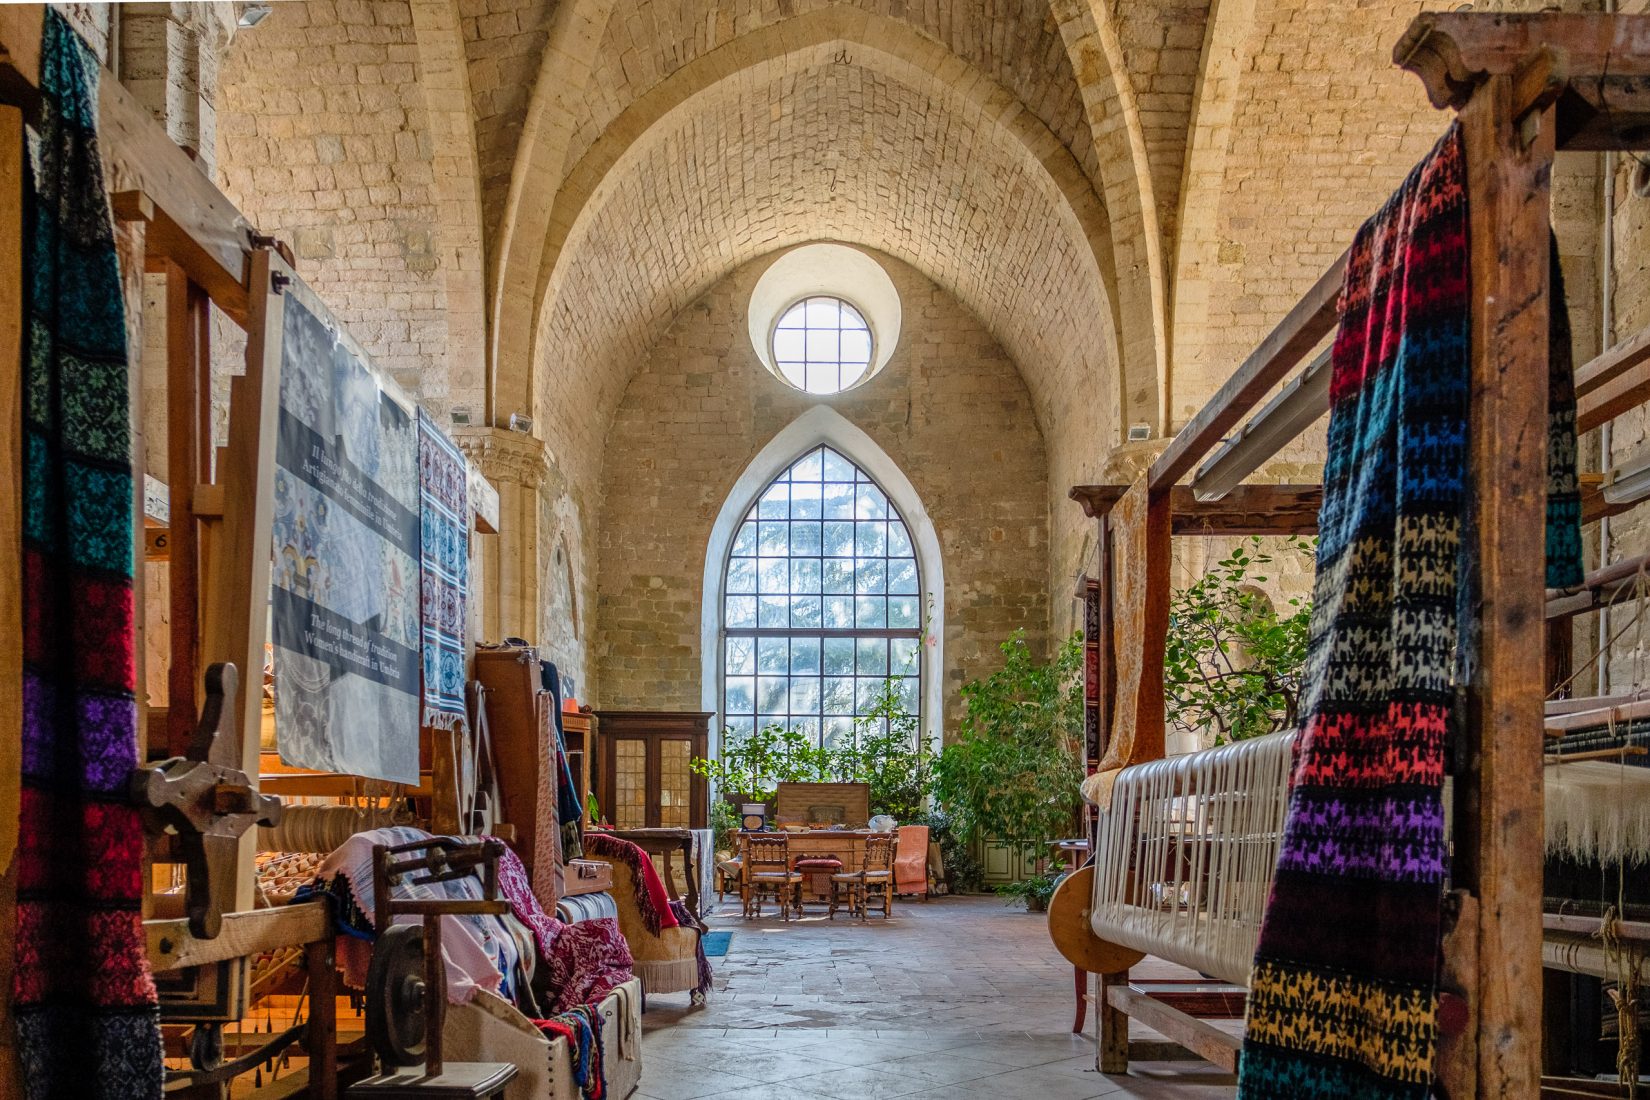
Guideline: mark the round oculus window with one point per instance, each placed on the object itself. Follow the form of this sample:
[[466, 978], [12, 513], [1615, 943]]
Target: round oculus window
[[822, 345]]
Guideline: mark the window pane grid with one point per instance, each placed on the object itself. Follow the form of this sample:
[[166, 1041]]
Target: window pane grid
[[822, 345], [822, 604]]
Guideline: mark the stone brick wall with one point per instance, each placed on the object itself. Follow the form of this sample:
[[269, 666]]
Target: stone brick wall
[[950, 409], [323, 141]]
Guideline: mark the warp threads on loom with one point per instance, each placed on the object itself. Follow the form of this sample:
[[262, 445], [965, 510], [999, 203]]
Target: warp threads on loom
[[320, 828]]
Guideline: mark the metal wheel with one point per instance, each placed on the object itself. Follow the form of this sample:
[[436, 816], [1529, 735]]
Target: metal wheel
[[397, 997]]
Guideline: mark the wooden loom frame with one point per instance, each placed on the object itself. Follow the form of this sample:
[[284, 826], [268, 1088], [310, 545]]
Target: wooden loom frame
[[217, 533], [1523, 87]]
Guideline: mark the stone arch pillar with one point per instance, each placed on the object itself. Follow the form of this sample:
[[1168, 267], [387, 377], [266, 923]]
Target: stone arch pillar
[[518, 466]]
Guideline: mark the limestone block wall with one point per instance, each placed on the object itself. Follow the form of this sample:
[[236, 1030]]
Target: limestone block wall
[[323, 140], [950, 409]]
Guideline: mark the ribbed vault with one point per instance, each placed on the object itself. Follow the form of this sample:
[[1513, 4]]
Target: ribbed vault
[[818, 145]]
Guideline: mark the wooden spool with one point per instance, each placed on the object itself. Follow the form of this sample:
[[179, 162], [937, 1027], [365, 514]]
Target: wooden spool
[[1073, 936]]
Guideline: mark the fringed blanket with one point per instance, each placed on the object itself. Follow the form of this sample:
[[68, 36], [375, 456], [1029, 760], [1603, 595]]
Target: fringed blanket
[[84, 1001], [705, 978], [444, 569], [652, 901], [1343, 994], [582, 962]]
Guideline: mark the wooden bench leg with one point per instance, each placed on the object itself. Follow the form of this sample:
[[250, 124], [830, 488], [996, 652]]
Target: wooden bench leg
[[1112, 1055]]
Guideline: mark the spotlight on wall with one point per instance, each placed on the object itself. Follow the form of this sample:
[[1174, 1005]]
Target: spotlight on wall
[[1139, 433], [460, 415], [252, 14], [520, 423]]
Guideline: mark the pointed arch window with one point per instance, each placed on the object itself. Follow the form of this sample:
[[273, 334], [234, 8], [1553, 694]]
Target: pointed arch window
[[822, 603]]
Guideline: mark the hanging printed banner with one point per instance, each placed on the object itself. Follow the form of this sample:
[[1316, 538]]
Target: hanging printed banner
[[345, 591]]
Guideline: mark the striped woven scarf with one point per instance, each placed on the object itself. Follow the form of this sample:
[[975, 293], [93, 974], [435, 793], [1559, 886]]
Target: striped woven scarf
[[1343, 995], [87, 1019]]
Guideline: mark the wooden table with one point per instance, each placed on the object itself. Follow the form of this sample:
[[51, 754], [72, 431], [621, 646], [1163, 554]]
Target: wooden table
[[662, 842], [848, 845]]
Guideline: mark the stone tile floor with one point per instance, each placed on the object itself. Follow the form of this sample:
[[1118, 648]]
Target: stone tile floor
[[957, 997]]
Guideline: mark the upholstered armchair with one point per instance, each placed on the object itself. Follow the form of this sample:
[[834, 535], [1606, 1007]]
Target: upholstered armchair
[[667, 959]]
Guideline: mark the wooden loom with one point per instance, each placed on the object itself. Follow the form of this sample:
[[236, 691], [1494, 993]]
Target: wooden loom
[[1524, 87], [212, 524]]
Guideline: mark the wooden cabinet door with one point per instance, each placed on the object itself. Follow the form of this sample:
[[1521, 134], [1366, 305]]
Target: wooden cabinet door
[[645, 779]]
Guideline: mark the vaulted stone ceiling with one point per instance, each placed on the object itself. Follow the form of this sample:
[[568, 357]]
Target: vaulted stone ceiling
[[1127, 192], [811, 146]]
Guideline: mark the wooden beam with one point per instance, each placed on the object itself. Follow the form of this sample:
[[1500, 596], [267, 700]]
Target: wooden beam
[[1097, 500], [1596, 589], [1141, 543], [235, 592], [1628, 931], [193, 223], [1246, 510], [1618, 755], [1626, 355], [1454, 52], [1626, 387], [1112, 1050], [333, 785], [185, 357], [1604, 113], [1499, 770], [1203, 1039], [172, 947], [1313, 318], [12, 328]]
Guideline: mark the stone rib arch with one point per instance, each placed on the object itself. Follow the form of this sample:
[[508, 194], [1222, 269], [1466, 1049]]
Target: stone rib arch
[[444, 78], [1125, 177], [834, 35], [575, 35], [1209, 137]]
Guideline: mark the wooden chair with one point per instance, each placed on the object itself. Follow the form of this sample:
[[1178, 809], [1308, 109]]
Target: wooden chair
[[767, 869], [730, 875], [875, 877]]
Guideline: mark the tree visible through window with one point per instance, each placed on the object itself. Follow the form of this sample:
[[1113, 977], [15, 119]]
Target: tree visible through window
[[823, 602]]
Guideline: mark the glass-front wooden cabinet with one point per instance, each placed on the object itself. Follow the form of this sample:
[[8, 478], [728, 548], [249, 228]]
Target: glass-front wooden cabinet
[[644, 779]]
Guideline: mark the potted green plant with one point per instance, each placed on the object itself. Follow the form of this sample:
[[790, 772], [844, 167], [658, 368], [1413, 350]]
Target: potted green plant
[[1013, 772], [1034, 890], [1234, 661]]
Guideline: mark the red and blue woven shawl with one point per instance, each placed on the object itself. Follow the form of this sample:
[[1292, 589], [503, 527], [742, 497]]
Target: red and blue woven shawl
[[84, 1001], [1343, 995]]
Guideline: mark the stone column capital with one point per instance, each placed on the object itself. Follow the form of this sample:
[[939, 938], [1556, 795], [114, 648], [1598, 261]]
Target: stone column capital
[[504, 455], [1128, 461]]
